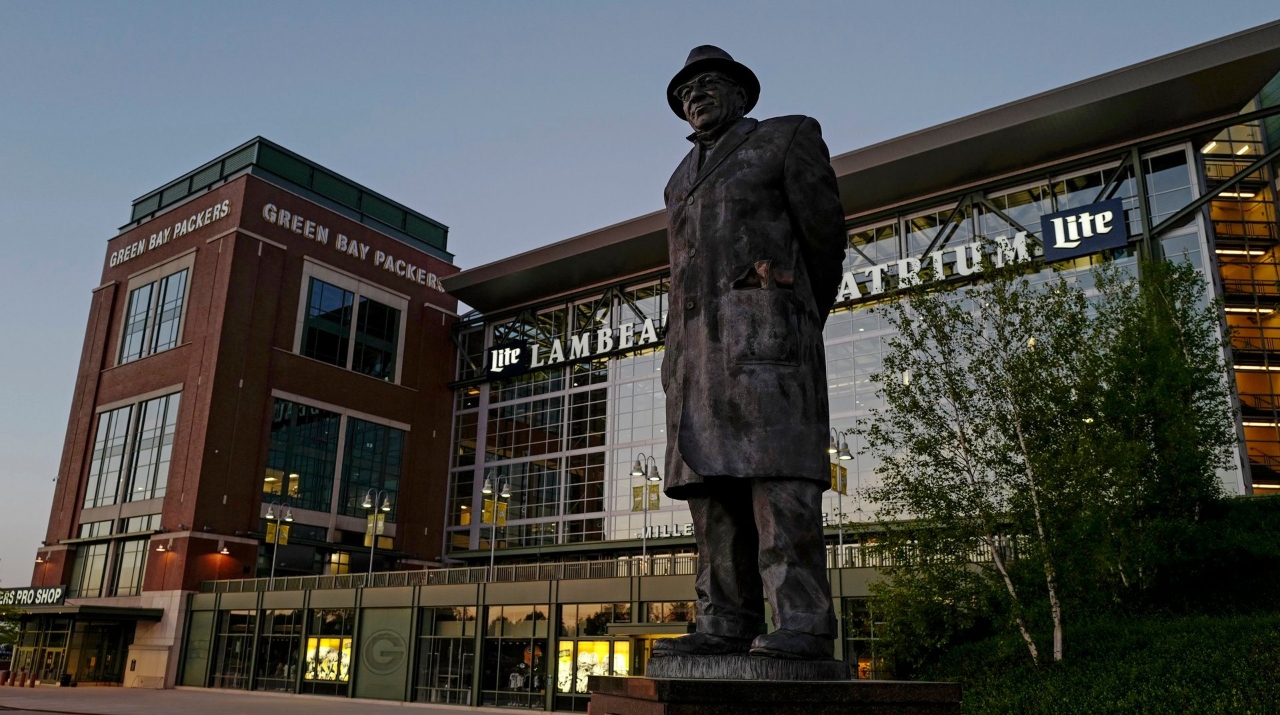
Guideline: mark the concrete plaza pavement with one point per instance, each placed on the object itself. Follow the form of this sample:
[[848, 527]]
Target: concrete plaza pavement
[[198, 701]]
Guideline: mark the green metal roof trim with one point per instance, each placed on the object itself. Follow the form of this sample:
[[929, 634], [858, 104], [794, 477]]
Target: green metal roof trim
[[259, 155]]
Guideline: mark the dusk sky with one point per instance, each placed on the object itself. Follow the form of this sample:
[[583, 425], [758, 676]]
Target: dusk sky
[[516, 124]]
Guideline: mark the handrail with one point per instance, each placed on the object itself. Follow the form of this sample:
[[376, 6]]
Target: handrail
[[854, 555]]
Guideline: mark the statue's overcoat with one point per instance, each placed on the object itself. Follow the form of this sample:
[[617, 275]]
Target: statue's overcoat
[[756, 239]]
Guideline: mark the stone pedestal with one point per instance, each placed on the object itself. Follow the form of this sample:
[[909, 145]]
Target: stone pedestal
[[745, 667], [656, 696]]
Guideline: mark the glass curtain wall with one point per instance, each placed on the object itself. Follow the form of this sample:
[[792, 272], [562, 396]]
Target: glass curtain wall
[[1245, 246], [579, 429], [557, 436]]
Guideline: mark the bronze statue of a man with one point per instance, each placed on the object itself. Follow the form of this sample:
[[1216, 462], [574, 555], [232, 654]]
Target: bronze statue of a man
[[756, 237]]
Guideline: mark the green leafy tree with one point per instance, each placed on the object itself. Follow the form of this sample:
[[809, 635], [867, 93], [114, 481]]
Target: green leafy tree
[[1037, 442], [10, 624], [1167, 417]]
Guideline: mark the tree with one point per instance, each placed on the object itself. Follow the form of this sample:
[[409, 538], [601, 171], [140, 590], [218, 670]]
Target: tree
[[1037, 437], [10, 624], [1168, 418]]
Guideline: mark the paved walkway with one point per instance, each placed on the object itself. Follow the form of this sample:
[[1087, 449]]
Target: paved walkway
[[134, 701]]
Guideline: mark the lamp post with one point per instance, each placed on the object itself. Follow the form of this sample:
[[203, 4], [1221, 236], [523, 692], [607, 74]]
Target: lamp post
[[839, 447], [646, 467], [380, 498], [275, 546], [487, 490]]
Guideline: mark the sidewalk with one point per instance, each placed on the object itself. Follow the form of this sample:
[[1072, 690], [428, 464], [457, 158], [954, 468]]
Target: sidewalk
[[198, 701]]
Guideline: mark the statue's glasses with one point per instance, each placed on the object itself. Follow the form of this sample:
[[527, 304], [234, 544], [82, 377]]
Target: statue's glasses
[[704, 82]]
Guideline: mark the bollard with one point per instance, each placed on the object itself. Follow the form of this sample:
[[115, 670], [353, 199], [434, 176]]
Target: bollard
[[4, 678], [22, 677]]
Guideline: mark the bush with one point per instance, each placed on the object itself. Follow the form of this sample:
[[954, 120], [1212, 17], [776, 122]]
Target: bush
[[1196, 664]]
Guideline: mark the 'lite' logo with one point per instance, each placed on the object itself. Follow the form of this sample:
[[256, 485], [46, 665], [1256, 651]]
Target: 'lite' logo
[[510, 358], [1084, 230]]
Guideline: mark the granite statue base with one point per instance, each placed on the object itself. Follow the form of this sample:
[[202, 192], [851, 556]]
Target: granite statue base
[[611, 695], [744, 667]]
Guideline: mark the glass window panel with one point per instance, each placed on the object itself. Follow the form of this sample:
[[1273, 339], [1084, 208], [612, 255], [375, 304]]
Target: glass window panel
[[446, 655], [133, 342], [535, 488], [584, 486], [372, 460], [279, 656], [106, 465], [234, 650], [377, 340], [153, 447], [525, 429], [302, 455], [327, 328], [87, 571], [131, 565], [173, 290]]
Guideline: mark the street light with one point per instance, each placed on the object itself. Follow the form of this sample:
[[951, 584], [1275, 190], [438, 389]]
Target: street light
[[493, 534], [646, 467], [839, 447], [371, 498], [275, 545]]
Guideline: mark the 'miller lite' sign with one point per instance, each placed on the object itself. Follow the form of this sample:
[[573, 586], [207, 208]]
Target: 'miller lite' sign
[[1088, 229], [516, 358]]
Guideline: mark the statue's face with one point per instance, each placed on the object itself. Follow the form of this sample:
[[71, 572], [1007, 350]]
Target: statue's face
[[711, 99]]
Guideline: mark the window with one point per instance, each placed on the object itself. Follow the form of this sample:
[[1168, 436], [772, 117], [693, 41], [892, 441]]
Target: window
[[351, 325], [861, 633], [234, 650], [107, 463], [670, 612], [144, 433], [592, 619], [278, 656], [134, 524], [377, 334], [153, 317], [131, 564], [87, 571], [327, 668], [303, 454], [328, 327], [95, 529], [372, 460], [153, 447], [514, 664], [446, 655]]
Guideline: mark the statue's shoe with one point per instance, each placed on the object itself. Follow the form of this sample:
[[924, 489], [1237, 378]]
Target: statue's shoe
[[700, 644], [792, 645]]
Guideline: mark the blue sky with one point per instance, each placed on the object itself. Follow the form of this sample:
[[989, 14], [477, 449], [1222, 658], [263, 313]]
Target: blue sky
[[514, 123]]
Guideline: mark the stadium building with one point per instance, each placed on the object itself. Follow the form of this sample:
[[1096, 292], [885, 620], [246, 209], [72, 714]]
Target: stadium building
[[558, 556]]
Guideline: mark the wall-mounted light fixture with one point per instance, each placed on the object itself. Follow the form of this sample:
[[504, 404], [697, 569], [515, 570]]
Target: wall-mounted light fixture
[[222, 548]]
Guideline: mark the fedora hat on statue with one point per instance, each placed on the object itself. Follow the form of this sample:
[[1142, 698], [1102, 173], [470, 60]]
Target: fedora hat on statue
[[709, 58]]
